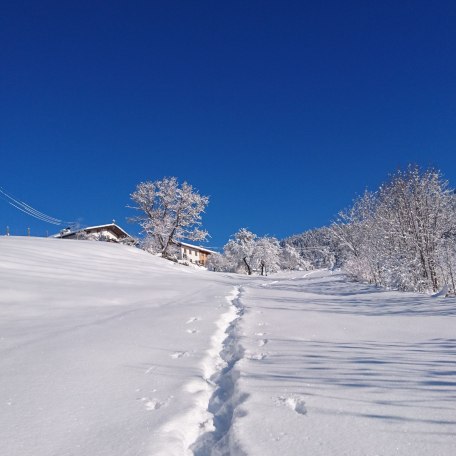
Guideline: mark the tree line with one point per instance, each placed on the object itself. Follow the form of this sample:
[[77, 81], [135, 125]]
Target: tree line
[[248, 253], [401, 236]]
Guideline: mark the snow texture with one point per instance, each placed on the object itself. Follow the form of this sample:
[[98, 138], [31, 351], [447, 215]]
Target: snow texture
[[107, 350]]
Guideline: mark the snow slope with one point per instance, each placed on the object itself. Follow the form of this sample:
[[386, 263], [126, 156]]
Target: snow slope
[[106, 350], [99, 345], [338, 368]]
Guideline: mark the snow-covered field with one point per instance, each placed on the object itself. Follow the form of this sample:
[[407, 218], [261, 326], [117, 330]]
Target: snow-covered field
[[106, 350]]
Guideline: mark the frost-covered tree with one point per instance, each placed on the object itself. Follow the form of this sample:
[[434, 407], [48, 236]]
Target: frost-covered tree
[[317, 248], [414, 211], [240, 250], [291, 260], [218, 263], [447, 256], [248, 252], [401, 235], [355, 231], [266, 255], [169, 212]]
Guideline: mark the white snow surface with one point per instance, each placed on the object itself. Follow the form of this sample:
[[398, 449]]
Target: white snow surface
[[107, 350]]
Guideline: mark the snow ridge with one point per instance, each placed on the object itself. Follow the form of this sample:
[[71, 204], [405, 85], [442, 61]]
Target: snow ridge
[[226, 398]]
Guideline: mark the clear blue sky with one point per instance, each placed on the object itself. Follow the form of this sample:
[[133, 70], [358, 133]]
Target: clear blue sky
[[280, 111]]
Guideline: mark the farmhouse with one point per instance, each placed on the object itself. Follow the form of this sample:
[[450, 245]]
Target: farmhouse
[[108, 233], [194, 254]]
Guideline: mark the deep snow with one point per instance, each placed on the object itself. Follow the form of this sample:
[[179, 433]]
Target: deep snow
[[106, 350], [338, 368]]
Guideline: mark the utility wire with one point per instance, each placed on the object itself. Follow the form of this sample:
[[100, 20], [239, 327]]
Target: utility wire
[[29, 210]]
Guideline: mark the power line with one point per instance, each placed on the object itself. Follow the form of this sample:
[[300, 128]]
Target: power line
[[29, 210]]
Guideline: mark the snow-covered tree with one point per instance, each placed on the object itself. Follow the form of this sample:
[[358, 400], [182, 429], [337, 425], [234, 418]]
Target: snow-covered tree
[[355, 231], [317, 248], [266, 255], [415, 212], [248, 252], [239, 251], [401, 235], [218, 263], [170, 212], [291, 260], [447, 257]]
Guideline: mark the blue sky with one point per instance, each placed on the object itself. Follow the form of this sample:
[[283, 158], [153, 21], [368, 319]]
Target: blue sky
[[280, 111]]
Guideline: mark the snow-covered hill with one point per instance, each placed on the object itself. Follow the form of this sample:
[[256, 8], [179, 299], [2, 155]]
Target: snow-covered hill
[[106, 350]]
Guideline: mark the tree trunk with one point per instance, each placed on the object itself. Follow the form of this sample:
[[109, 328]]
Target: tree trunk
[[263, 269], [249, 271]]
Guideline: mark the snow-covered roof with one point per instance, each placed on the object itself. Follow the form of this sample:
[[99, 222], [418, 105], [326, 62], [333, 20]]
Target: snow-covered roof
[[109, 225], [197, 247], [116, 229]]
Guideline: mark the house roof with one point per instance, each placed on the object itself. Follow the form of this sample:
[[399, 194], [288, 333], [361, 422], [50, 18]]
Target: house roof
[[201, 249], [116, 229]]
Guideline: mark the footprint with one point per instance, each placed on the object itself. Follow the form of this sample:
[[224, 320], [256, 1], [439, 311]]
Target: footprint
[[154, 403], [192, 331], [179, 354], [294, 402], [262, 342], [256, 356], [191, 320]]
